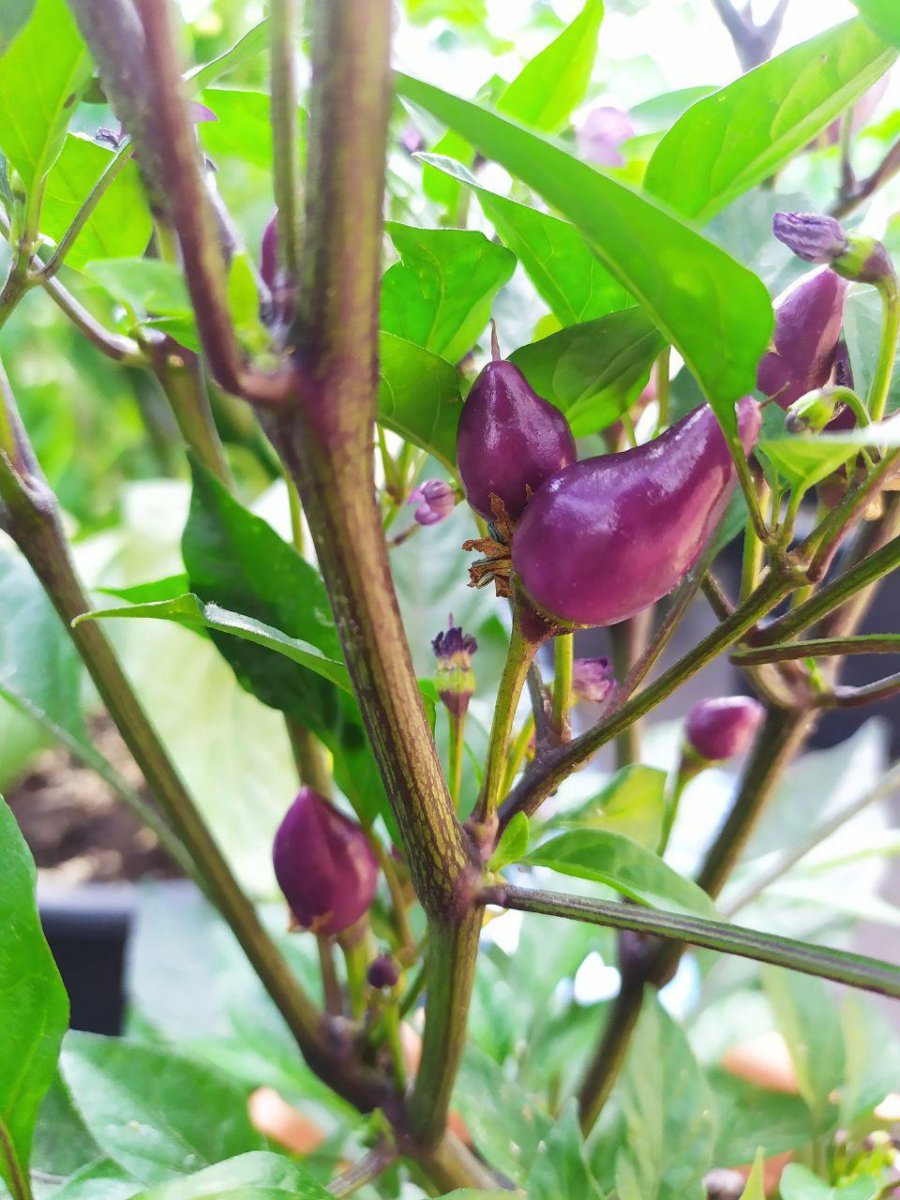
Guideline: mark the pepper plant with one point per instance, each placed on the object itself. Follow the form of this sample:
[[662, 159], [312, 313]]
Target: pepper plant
[[592, 473]]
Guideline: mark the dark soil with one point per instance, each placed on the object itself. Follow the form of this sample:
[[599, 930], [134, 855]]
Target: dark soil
[[77, 827]]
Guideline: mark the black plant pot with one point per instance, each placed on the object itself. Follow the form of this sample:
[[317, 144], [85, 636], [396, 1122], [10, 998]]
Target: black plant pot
[[87, 929]]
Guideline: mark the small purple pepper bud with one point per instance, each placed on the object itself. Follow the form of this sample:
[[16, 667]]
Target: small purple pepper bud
[[455, 679], [814, 411], [268, 254], [606, 537], [436, 500], [509, 439], [593, 680], [723, 728], [821, 239], [604, 130], [808, 319], [383, 972], [324, 865], [811, 236]]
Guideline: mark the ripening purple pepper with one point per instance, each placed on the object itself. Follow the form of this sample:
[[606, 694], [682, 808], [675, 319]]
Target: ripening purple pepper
[[324, 865], [268, 253], [509, 440], [722, 728], [607, 536], [808, 319]]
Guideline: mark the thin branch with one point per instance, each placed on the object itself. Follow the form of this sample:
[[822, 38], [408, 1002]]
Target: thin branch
[[789, 859], [833, 595], [851, 199], [753, 43], [367, 1170], [854, 970], [857, 697], [284, 44], [873, 643]]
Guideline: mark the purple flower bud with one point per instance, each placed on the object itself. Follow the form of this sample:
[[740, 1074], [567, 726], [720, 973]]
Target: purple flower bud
[[436, 500], [455, 679], [808, 319], [509, 440], [411, 139], [324, 865], [383, 972], [593, 679], [268, 254], [199, 114], [603, 132], [720, 729], [811, 236], [606, 537]]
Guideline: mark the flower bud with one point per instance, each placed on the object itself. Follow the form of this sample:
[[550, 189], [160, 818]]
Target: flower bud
[[383, 972], [593, 679], [811, 236], [606, 537], [324, 865], [435, 499], [603, 132], [820, 239], [509, 440], [455, 679], [720, 729], [808, 319]]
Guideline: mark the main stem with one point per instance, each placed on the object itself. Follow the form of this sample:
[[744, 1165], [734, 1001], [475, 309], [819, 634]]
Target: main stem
[[326, 440]]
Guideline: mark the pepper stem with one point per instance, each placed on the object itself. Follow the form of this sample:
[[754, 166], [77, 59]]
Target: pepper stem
[[564, 652], [456, 754], [495, 343], [890, 330]]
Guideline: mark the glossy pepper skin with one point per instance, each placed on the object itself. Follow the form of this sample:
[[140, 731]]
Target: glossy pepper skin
[[722, 728], [808, 319], [606, 537], [509, 440], [324, 865]]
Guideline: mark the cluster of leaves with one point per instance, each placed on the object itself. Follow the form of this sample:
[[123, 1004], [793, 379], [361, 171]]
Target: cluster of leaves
[[154, 1116]]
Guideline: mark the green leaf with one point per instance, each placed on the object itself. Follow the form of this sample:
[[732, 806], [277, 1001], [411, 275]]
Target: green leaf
[[546, 92], [713, 310], [236, 561], [254, 41], [756, 1180], [99, 1180], [440, 294], [809, 1021], [632, 803], [804, 461], [513, 843], [34, 1009], [418, 397], [670, 1119], [41, 76], [798, 1183], [157, 1114], [554, 255], [560, 1166], [751, 1117], [120, 225], [871, 1060], [243, 304], [727, 143], [256, 1176], [145, 285], [621, 864], [243, 129], [13, 17], [593, 372], [190, 612], [883, 16]]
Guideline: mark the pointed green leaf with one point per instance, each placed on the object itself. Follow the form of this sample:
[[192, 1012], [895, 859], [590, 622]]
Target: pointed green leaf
[[809, 1021], [34, 1009], [120, 225], [716, 312], [440, 294], [805, 461], [632, 803], [255, 1176], [418, 397], [799, 1183], [730, 141], [593, 372], [883, 16], [560, 1167], [620, 863], [756, 1184], [550, 87], [42, 74], [513, 843]]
